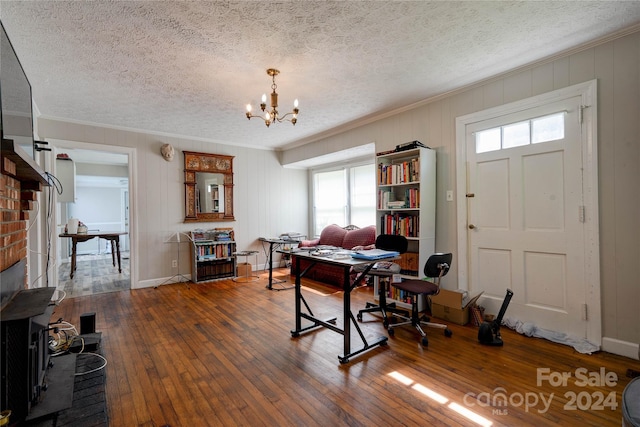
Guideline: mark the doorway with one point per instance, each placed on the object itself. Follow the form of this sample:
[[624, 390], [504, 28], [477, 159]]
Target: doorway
[[102, 191], [528, 210]]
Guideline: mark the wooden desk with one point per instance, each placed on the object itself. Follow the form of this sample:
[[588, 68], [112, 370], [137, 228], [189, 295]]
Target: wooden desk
[[112, 236], [348, 317]]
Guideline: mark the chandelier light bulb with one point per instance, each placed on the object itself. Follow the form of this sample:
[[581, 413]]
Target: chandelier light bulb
[[248, 108], [295, 103], [264, 98]]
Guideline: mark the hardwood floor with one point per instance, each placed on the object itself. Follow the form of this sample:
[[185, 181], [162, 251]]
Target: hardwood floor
[[221, 353]]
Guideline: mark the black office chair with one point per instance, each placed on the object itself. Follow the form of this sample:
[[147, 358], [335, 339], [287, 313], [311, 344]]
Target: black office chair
[[385, 270], [436, 266]]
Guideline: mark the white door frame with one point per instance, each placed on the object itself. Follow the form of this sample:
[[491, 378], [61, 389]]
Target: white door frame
[[133, 220], [588, 92]]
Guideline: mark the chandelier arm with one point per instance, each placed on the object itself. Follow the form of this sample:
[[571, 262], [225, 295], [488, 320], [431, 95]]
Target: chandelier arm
[[284, 118]]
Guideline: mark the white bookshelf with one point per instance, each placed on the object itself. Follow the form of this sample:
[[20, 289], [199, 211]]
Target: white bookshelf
[[406, 205]]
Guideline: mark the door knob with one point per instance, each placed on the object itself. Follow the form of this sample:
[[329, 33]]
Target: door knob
[[471, 226]]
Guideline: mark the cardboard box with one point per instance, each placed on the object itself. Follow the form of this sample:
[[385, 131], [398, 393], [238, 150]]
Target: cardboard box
[[243, 269], [450, 306]]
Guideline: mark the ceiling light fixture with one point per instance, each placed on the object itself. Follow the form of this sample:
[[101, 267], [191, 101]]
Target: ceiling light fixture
[[273, 116]]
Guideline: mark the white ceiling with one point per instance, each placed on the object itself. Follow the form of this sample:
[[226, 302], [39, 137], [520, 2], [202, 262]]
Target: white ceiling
[[189, 68]]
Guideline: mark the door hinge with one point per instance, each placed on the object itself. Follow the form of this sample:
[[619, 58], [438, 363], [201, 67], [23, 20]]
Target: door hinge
[[584, 312], [581, 113], [581, 213]]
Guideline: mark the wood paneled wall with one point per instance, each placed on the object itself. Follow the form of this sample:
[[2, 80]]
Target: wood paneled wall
[[616, 66]]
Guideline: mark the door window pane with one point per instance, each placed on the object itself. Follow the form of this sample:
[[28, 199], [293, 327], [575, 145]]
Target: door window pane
[[515, 135], [542, 129], [549, 128], [488, 140]]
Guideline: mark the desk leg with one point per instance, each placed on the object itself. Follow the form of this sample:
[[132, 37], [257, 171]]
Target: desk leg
[[269, 286], [273, 246], [74, 244], [298, 298], [346, 300], [348, 318], [113, 252], [117, 241]]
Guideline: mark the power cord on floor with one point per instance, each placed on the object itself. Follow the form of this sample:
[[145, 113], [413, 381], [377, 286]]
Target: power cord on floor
[[96, 369], [66, 335]]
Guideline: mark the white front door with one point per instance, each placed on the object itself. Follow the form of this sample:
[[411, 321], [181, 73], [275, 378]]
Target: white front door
[[525, 216]]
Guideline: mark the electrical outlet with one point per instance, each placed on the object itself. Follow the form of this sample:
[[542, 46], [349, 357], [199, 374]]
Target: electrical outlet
[[449, 196], [174, 263]]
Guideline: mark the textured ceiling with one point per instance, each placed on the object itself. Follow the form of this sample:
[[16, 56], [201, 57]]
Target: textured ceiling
[[189, 68]]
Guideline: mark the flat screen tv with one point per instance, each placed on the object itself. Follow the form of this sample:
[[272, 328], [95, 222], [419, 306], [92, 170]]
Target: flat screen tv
[[16, 122]]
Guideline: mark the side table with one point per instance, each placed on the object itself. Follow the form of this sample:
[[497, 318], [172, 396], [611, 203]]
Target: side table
[[248, 277]]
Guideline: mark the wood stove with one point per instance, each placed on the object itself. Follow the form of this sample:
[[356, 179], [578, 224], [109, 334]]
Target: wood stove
[[24, 350]]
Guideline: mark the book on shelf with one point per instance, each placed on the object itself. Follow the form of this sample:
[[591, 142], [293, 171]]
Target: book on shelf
[[400, 223], [396, 204], [399, 173]]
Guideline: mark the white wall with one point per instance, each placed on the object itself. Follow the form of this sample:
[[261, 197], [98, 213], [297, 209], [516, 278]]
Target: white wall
[[616, 66], [99, 208], [268, 199]]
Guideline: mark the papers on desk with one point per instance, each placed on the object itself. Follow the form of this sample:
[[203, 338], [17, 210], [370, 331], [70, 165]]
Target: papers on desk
[[322, 252], [373, 254], [292, 235]]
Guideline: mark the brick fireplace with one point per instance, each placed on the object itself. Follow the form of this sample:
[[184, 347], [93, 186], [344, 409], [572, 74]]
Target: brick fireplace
[[24, 312]]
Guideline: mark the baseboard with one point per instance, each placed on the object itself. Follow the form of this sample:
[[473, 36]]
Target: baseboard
[[621, 348], [152, 283]]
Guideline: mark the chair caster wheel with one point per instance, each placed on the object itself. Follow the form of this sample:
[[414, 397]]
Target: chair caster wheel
[[385, 323], [391, 331], [359, 316], [448, 333], [425, 341]]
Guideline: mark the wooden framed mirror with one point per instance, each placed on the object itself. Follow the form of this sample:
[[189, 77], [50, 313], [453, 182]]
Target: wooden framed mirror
[[208, 186]]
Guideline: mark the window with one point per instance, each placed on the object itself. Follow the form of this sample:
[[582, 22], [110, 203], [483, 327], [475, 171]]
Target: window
[[534, 131], [344, 196]]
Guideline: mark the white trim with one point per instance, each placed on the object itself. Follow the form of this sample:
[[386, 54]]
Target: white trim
[[153, 283], [133, 217], [621, 348], [588, 92]]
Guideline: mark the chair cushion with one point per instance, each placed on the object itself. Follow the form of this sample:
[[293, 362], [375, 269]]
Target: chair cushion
[[362, 237], [417, 287], [332, 235]]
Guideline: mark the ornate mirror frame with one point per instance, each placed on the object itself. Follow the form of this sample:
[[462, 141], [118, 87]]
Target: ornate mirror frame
[[211, 163]]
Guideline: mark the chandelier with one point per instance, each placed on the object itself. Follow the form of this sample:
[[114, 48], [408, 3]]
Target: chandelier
[[271, 116]]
